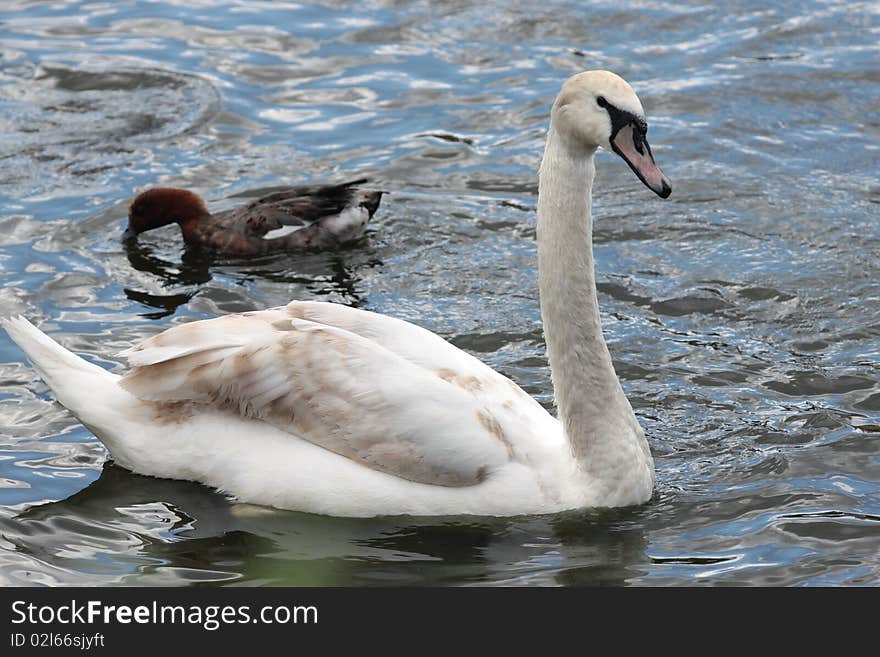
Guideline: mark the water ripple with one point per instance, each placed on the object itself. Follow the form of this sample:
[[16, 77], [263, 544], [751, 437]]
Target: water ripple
[[742, 314]]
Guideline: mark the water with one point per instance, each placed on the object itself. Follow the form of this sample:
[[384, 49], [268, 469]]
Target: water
[[743, 314]]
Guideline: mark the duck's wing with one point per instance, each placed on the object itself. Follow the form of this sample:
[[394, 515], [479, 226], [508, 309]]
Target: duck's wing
[[327, 208], [327, 196], [338, 389]]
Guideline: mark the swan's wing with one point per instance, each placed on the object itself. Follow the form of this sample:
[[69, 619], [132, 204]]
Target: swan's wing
[[530, 428], [332, 387], [425, 349]]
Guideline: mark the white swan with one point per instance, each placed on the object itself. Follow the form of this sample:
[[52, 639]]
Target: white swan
[[323, 408]]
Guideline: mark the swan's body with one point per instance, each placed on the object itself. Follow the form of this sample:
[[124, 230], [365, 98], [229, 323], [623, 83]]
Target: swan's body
[[324, 408]]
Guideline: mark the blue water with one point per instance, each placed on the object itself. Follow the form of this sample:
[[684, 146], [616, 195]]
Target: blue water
[[743, 313]]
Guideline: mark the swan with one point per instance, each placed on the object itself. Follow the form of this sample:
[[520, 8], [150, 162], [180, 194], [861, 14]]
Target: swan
[[327, 409], [291, 219]]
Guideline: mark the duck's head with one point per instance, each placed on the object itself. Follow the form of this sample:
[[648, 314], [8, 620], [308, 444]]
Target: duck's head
[[161, 206], [599, 109]]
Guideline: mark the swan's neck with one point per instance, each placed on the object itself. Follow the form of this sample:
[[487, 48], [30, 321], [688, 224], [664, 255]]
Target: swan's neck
[[597, 418]]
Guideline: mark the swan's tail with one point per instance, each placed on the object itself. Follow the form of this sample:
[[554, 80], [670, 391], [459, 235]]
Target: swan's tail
[[77, 384]]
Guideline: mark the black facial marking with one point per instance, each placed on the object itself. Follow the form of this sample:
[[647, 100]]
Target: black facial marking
[[620, 118]]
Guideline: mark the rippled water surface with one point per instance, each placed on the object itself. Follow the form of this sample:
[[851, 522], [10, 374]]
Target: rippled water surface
[[743, 313]]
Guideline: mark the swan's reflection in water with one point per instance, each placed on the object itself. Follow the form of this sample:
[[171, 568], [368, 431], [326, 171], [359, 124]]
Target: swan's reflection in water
[[174, 532]]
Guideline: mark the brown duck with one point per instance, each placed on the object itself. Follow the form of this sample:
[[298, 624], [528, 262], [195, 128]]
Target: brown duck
[[297, 218]]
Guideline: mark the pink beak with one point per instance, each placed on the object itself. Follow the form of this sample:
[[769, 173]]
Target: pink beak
[[630, 143]]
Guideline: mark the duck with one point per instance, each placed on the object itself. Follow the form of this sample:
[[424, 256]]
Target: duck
[[292, 219], [328, 409]]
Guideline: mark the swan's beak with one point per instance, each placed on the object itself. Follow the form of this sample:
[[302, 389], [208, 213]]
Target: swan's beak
[[629, 142]]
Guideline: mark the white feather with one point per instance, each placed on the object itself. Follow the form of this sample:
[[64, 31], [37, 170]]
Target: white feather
[[284, 231]]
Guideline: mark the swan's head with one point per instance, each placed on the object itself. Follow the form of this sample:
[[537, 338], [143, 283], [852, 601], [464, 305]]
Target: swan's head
[[599, 108]]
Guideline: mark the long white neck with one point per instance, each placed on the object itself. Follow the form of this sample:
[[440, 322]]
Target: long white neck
[[598, 420]]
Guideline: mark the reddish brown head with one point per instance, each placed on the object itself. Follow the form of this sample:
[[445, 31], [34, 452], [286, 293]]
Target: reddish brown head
[[162, 206]]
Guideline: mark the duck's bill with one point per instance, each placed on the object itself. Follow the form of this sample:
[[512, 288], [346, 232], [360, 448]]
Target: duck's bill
[[632, 146]]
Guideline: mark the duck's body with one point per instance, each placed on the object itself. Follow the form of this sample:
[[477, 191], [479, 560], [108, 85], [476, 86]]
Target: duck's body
[[293, 219], [324, 408]]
